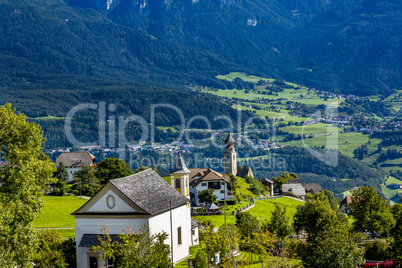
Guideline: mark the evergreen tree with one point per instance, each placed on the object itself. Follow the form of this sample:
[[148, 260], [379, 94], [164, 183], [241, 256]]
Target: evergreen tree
[[62, 173]]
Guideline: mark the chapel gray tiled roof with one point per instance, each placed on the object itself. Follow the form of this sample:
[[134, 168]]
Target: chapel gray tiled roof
[[149, 191], [76, 159], [180, 166]]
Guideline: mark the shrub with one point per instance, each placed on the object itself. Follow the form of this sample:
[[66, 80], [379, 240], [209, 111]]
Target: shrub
[[201, 259], [377, 250]]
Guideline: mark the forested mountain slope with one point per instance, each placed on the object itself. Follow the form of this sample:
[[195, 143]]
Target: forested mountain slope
[[350, 46], [50, 37]]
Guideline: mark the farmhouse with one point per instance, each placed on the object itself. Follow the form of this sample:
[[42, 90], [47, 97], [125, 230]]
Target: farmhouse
[[295, 188], [137, 200], [345, 204], [206, 178], [75, 161]]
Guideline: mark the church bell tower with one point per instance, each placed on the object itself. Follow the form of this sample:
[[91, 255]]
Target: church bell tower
[[180, 176], [230, 159]]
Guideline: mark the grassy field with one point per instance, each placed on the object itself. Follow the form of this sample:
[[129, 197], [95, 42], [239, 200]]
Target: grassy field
[[167, 179], [262, 210], [244, 76], [174, 130], [311, 129], [347, 142], [57, 210], [393, 180], [49, 118], [389, 193]]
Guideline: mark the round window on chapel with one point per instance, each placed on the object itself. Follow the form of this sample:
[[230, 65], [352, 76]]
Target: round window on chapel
[[110, 201]]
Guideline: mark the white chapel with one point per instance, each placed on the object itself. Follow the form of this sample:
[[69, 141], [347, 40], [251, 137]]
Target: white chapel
[[144, 198]]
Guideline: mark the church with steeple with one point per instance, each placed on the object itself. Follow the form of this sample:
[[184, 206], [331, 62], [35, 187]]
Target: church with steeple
[[189, 182], [230, 161]]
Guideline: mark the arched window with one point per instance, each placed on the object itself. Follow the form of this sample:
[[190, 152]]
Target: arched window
[[177, 183]]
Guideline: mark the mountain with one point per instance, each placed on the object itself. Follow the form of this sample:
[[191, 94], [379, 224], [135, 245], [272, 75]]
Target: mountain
[[54, 57], [51, 37], [350, 46]]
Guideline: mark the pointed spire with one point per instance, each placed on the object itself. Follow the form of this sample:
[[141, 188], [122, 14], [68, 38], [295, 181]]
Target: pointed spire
[[229, 141], [180, 166]]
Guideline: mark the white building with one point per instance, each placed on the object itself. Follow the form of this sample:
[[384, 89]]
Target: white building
[[206, 178], [75, 161], [140, 199]]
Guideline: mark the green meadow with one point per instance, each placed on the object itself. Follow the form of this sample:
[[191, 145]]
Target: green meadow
[[57, 210], [262, 210]]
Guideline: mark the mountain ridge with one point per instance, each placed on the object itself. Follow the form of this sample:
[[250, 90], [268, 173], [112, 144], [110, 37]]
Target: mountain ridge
[[348, 46]]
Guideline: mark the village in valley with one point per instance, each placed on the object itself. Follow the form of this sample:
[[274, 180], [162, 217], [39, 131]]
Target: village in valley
[[196, 217], [220, 212], [200, 134]]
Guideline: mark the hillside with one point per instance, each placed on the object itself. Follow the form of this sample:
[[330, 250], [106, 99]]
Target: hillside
[[48, 39], [128, 100], [349, 46]]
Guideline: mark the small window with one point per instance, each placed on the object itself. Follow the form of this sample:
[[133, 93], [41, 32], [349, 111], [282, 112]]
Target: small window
[[179, 235], [222, 183], [204, 184], [233, 157], [222, 191], [178, 183], [93, 262]]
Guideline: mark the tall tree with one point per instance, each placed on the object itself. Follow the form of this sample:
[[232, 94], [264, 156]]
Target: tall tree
[[371, 212], [62, 173], [23, 184], [280, 226], [283, 179], [329, 243], [332, 248], [315, 215], [112, 168], [207, 196], [85, 181], [396, 232]]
